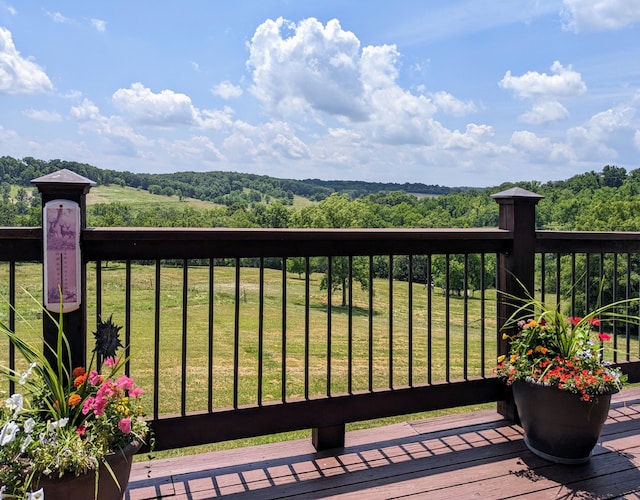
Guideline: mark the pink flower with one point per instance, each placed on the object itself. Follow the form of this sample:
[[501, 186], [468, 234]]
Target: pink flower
[[105, 391], [95, 378], [88, 405], [111, 362], [125, 383], [99, 406], [125, 425], [134, 393], [81, 430]]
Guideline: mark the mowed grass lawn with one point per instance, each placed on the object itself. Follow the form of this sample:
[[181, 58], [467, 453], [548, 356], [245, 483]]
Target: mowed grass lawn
[[185, 334]]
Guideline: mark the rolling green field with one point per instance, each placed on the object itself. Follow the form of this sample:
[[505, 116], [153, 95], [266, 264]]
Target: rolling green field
[[139, 198], [279, 348]]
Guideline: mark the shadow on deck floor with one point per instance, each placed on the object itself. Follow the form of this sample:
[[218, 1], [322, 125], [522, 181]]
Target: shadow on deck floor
[[461, 456]]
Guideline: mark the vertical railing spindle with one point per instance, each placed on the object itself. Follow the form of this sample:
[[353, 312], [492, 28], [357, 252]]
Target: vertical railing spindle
[[236, 335], [283, 373], [260, 330], [210, 332], [156, 345], [391, 321], [183, 369], [410, 323]]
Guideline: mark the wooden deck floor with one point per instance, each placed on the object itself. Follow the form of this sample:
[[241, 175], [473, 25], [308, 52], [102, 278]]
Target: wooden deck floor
[[474, 455]]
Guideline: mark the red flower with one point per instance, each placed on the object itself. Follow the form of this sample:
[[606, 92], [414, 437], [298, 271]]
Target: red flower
[[604, 336]]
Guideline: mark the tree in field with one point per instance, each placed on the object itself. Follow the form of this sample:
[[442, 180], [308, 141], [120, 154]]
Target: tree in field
[[456, 274], [340, 275], [296, 265], [337, 211]]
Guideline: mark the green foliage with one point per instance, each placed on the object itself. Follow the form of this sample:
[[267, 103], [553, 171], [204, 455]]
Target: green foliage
[[547, 347], [64, 420]]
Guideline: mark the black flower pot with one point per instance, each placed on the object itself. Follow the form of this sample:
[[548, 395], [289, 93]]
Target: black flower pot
[[82, 487], [558, 425]]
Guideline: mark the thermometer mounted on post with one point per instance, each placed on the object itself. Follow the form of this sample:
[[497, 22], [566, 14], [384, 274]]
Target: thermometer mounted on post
[[61, 232]]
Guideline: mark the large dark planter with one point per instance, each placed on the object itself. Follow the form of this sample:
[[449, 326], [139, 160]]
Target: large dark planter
[[558, 425], [83, 486]]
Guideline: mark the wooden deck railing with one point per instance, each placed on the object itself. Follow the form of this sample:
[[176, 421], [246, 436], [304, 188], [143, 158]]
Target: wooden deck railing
[[231, 345]]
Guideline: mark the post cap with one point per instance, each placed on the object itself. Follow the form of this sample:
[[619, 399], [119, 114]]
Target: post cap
[[63, 176], [516, 192]]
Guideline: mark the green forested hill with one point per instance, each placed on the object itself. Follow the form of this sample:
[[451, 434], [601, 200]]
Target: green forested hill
[[606, 200], [224, 188]]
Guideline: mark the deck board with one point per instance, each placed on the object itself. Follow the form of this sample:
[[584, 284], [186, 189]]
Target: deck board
[[472, 455]]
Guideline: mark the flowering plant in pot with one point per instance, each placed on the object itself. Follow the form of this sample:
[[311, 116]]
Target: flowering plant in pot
[[65, 422], [562, 385]]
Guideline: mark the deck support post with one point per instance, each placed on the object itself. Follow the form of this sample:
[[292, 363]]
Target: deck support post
[[516, 268], [68, 186], [326, 438]]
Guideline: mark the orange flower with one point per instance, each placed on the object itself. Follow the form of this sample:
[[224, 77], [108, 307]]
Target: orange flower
[[74, 400], [78, 371], [80, 380]]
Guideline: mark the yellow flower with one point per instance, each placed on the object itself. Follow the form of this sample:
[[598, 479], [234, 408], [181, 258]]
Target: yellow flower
[[504, 336], [501, 358], [532, 323]]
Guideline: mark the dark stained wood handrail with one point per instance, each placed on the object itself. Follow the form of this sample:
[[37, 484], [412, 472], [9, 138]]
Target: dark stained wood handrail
[[181, 243]]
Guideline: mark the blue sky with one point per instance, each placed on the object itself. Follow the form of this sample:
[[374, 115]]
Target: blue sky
[[449, 92]]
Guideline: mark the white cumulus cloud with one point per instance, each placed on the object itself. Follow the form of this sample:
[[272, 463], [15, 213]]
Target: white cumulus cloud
[[600, 15], [451, 105], [17, 74], [543, 149], [545, 112], [309, 70], [226, 90], [122, 139], [99, 24], [161, 109], [43, 115], [57, 17], [315, 68], [562, 83], [545, 90], [86, 111]]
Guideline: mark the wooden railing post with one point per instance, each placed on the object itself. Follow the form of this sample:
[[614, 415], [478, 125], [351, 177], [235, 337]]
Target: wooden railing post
[[516, 269], [326, 438], [65, 186]]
